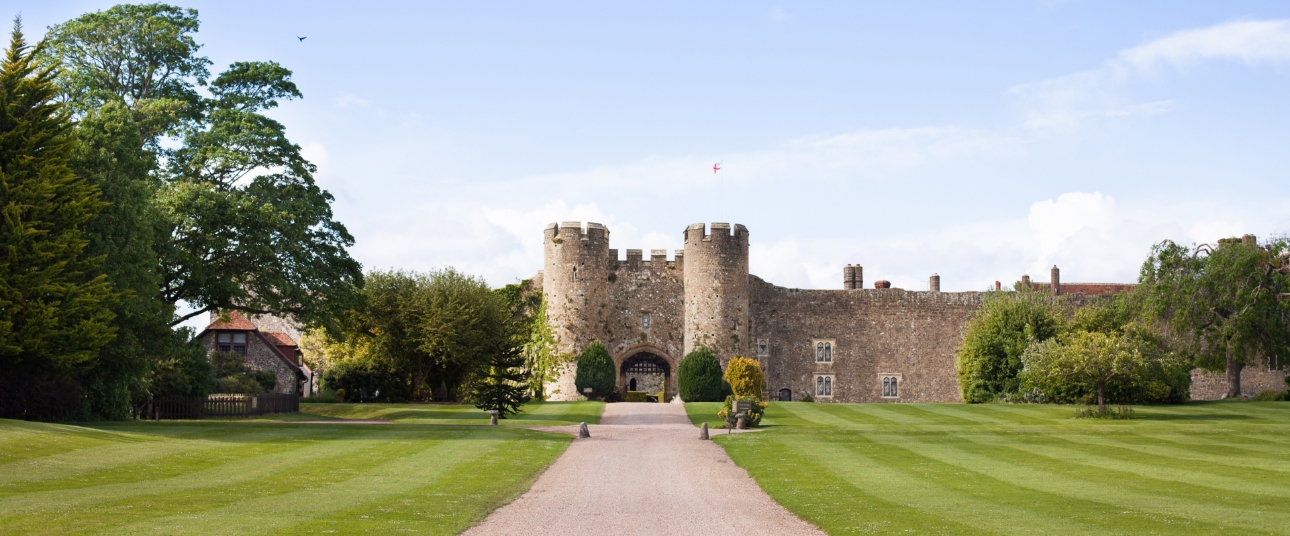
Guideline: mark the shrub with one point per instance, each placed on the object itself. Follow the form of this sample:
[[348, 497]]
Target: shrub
[[355, 375], [325, 396], [595, 372], [635, 396], [754, 414], [340, 395], [1271, 395], [745, 377], [698, 378], [990, 358], [808, 398], [1091, 412]]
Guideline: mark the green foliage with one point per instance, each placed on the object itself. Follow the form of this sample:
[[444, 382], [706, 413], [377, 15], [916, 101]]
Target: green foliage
[[54, 308], [745, 377], [635, 396], [185, 374], [698, 378], [754, 414], [1094, 359], [1271, 395], [808, 398], [503, 384], [233, 376], [355, 375], [1222, 305], [239, 223], [595, 372], [995, 338], [1122, 412], [535, 336]]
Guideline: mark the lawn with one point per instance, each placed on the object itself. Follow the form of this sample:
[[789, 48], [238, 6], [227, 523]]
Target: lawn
[[1200, 468], [533, 414], [259, 477]]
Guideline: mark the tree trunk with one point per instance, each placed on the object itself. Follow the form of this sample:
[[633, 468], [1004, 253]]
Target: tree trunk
[[1101, 398], [1234, 377]]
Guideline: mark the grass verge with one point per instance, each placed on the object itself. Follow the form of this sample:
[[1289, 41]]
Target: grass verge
[[261, 477], [533, 414], [1200, 468]]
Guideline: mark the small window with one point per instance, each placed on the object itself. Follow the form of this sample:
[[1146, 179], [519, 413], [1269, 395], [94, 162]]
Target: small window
[[763, 348], [824, 386], [890, 385], [645, 321], [239, 338], [226, 338], [574, 275], [823, 351], [231, 342]]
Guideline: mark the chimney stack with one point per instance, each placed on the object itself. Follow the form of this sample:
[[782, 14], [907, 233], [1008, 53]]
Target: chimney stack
[[998, 285], [1056, 281], [1025, 282], [849, 277], [934, 284]]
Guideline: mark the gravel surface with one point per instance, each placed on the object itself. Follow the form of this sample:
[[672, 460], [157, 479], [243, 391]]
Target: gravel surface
[[643, 471]]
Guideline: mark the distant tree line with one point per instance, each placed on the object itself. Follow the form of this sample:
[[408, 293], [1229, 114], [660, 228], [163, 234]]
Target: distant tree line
[[1218, 307]]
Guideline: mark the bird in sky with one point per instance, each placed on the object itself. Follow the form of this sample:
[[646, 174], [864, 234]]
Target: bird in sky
[[302, 38]]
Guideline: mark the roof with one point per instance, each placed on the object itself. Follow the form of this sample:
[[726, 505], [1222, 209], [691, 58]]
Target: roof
[[236, 320], [278, 338], [1096, 289]]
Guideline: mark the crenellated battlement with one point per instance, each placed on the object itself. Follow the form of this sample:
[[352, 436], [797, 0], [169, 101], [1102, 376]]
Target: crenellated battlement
[[574, 230], [636, 260], [720, 233]]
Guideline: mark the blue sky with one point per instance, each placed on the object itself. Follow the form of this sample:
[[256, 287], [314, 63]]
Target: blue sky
[[979, 142]]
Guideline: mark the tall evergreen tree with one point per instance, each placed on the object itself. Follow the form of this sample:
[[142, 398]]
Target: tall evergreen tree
[[54, 309]]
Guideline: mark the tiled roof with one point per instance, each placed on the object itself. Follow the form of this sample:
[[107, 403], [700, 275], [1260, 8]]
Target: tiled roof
[[278, 338], [1096, 289], [236, 320]]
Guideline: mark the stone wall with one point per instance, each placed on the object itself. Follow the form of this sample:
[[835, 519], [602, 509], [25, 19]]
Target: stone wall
[[873, 332], [261, 356], [716, 289], [1209, 385]]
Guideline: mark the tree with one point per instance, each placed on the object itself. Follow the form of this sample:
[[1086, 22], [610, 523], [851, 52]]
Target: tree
[[745, 377], [1092, 358], [503, 384], [1007, 322], [698, 378], [535, 336], [1225, 305], [595, 377], [54, 311], [240, 223]]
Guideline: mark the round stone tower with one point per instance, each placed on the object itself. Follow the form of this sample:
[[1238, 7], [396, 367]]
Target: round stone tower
[[716, 290], [574, 281]]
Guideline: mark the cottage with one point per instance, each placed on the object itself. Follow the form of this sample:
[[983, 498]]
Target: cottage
[[273, 351]]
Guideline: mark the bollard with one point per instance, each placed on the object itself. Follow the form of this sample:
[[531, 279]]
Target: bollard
[[703, 431], [492, 419], [583, 432], [742, 423]]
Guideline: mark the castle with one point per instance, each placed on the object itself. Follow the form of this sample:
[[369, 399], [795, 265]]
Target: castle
[[855, 344], [851, 345]]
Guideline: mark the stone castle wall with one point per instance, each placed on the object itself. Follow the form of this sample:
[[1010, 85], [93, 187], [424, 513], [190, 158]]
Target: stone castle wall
[[716, 289], [1209, 385], [893, 332]]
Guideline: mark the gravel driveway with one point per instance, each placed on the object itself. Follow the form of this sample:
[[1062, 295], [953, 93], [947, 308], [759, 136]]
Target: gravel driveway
[[643, 471]]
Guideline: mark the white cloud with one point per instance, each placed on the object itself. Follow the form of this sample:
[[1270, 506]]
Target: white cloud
[[1065, 102], [777, 15], [1246, 41]]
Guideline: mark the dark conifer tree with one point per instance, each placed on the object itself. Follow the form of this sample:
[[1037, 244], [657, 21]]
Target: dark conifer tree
[[54, 310]]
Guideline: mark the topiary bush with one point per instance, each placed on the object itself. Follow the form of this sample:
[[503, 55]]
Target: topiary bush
[[698, 378], [595, 372], [745, 377]]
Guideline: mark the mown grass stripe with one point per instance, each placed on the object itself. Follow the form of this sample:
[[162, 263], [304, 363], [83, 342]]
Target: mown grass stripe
[[1117, 495], [1142, 466], [398, 472], [1193, 453], [853, 501], [246, 467]]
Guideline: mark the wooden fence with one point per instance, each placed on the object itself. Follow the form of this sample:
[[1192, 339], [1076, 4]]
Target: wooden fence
[[222, 406]]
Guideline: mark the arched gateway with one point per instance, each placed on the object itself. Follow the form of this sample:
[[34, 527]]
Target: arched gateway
[[646, 370]]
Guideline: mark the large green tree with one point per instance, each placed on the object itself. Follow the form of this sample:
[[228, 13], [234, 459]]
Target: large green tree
[[54, 308], [241, 223], [1226, 305]]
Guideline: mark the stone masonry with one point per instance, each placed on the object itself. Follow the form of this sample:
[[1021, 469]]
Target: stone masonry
[[855, 344]]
